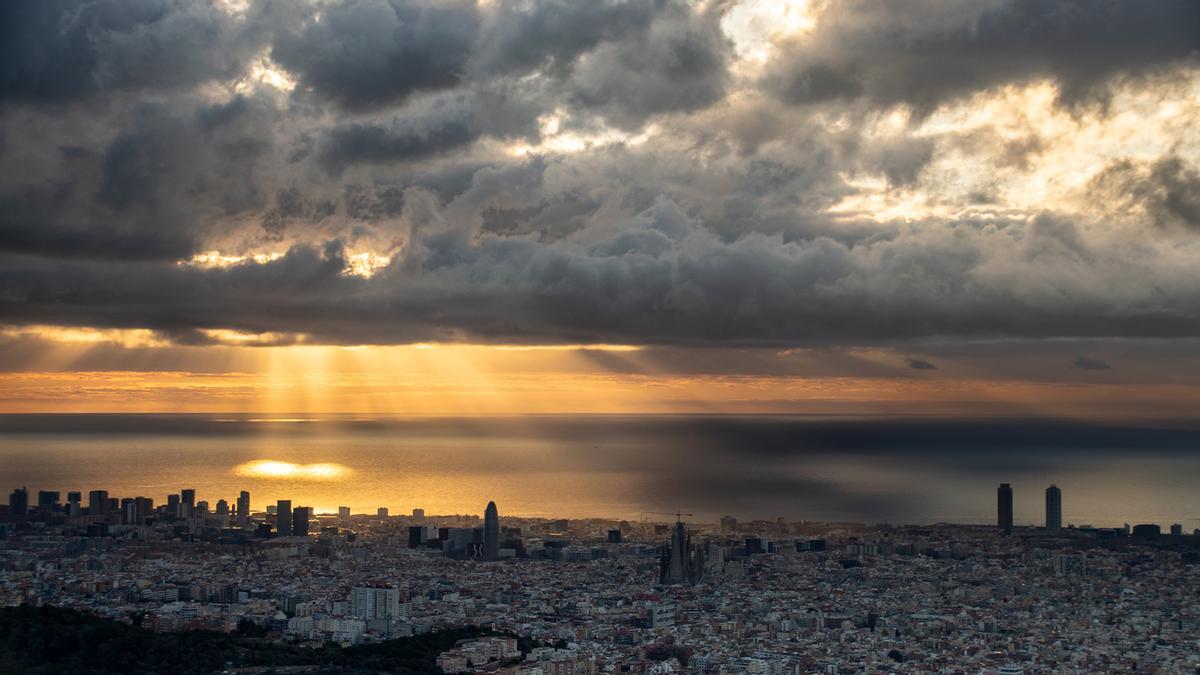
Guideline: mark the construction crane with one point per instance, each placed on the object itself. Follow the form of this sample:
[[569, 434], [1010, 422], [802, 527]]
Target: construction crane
[[678, 514]]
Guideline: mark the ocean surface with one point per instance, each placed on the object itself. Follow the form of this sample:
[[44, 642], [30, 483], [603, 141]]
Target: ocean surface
[[863, 469]]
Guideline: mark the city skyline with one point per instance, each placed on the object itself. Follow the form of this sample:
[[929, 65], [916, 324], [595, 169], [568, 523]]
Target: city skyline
[[357, 579], [294, 521]]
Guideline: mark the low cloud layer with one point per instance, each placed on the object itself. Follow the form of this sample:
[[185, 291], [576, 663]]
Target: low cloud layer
[[644, 172]]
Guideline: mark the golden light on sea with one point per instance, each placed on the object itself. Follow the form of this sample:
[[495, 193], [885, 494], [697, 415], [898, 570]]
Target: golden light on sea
[[270, 468]]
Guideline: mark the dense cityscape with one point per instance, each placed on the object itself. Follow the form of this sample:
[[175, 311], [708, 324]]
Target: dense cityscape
[[660, 595]]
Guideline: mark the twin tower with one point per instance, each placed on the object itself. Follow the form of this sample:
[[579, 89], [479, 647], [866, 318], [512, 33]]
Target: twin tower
[[1004, 507]]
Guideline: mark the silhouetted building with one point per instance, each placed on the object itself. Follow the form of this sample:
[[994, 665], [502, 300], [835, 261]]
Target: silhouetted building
[[300, 518], [188, 497], [728, 524], [97, 502], [174, 507], [48, 500], [74, 505], [1004, 507], [416, 536], [283, 518], [381, 512], [18, 502], [222, 507], [614, 536], [1146, 530], [129, 514], [243, 504], [681, 562], [754, 546], [145, 508], [1177, 529], [491, 532], [1053, 508]]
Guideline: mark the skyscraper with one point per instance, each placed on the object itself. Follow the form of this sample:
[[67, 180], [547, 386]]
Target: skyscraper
[[283, 518], [243, 504], [681, 563], [1004, 507], [300, 517], [145, 508], [48, 500], [18, 502], [1053, 508], [129, 513], [187, 502], [491, 532], [97, 502]]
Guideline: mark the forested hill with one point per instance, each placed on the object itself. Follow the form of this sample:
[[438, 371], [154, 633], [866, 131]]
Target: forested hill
[[52, 640]]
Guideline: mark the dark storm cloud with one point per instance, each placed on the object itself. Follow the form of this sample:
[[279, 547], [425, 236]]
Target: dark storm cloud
[[367, 53], [920, 364], [560, 171], [1089, 363], [551, 218], [521, 36], [436, 126], [55, 51], [679, 63], [370, 143], [923, 53], [149, 191], [28, 223], [660, 278]]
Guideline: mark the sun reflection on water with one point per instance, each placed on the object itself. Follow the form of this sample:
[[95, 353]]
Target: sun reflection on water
[[270, 468]]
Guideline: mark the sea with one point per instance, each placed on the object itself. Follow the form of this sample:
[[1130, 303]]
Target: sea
[[913, 470]]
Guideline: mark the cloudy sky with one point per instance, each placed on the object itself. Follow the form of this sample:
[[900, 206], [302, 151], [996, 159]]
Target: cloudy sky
[[584, 205]]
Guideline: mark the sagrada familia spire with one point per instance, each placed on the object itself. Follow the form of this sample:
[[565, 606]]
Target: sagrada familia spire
[[682, 563]]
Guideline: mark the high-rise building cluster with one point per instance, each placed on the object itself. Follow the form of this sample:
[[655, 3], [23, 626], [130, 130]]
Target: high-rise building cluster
[[488, 543], [103, 512]]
